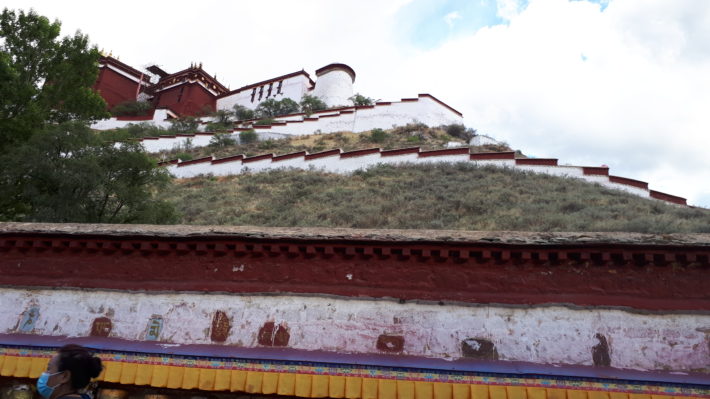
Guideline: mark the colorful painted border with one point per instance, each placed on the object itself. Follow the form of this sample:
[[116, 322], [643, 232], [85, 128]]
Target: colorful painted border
[[30, 362]]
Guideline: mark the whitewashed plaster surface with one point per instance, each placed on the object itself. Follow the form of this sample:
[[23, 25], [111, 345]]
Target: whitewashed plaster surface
[[544, 335], [334, 87], [425, 110], [294, 88], [160, 119]]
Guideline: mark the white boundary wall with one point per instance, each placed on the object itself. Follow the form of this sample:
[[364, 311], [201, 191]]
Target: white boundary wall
[[160, 119], [335, 163], [538, 334], [425, 109]]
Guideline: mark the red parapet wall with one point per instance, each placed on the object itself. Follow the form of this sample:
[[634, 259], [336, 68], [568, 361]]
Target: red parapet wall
[[290, 156], [492, 156], [359, 153], [329, 153], [536, 161], [195, 161], [593, 170], [629, 182], [451, 151], [644, 276], [228, 159], [667, 197], [400, 151]]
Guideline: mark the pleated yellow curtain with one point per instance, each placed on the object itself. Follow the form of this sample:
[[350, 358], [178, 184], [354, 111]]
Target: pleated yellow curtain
[[307, 385]]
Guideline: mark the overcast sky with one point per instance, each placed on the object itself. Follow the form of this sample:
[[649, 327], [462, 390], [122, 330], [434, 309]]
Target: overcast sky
[[624, 83]]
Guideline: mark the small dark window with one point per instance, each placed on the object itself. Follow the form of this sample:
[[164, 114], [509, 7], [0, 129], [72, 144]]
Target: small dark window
[[278, 90], [271, 86], [253, 93], [261, 92]]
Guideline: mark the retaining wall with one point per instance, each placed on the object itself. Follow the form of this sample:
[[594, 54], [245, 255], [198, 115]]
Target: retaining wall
[[424, 109], [336, 161]]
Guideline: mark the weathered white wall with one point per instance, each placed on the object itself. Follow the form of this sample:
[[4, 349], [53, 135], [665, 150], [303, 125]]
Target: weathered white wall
[[160, 119], [334, 87], [292, 88], [545, 335]]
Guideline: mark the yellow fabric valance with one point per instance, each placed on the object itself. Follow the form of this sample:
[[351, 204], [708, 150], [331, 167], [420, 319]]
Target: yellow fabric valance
[[333, 386]]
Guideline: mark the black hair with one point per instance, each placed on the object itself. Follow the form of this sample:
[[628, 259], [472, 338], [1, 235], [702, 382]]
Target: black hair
[[83, 364]]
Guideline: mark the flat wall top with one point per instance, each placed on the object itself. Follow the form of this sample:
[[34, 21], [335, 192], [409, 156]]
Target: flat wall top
[[347, 234]]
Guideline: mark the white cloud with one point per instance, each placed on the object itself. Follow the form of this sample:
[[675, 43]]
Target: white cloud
[[627, 86], [639, 102], [451, 17], [508, 9]]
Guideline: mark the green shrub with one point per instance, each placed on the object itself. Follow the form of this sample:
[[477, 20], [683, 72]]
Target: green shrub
[[265, 121], [378, 136], [183, 156], [248, 137], [271, 108], [243, 113], [221, 140], [132, 108], [185, 124], [459, 131], [311, 104], [360, 100]]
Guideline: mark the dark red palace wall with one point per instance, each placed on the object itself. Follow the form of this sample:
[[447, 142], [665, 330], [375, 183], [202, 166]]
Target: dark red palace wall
[[114, 87], [653, 276], [186, 99]]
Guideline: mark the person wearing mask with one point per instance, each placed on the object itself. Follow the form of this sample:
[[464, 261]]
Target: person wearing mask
[[68, 372]]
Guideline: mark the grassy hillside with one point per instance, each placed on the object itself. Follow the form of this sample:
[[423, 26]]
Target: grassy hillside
[[460, 196]]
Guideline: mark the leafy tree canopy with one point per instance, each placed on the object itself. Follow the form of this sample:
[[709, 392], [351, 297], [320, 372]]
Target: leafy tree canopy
[[67, 173], [243, 113], [271, 107], [43, 78], [360, 100], [311, 104]]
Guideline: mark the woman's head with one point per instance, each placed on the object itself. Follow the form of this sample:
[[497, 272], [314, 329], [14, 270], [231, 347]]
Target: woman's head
[[69, 370]]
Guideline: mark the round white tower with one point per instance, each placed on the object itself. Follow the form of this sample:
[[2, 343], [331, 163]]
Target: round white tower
[[334, 84]]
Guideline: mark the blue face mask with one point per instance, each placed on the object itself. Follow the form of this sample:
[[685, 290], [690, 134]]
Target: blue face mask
[[42, 388]]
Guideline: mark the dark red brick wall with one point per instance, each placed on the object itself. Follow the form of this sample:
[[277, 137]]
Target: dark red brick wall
[[666, 278], [114, 87], [192, 101]]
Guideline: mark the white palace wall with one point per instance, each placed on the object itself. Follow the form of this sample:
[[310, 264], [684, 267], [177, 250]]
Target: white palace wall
[[294, 88], [423, 109], [335, 88]]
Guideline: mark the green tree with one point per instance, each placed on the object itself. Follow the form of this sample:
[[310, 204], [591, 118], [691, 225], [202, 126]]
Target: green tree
[[67, 173], [243, 113], [248, 137], [132, 108], [185, 124], [271, 108], [221, 140], [311, 104], [221, 121], [43, 78], [360, 100]]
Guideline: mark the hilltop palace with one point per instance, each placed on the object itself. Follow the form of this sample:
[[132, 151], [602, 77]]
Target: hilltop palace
[[193, 91]]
